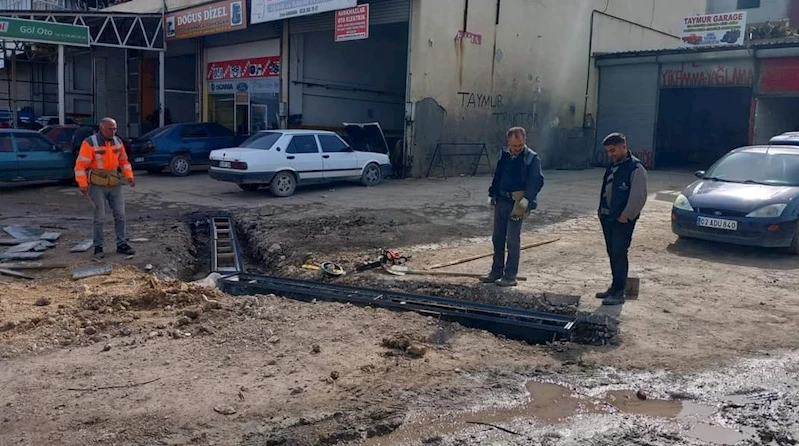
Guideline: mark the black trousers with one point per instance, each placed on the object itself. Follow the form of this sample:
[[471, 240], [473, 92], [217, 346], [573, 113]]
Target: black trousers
[[618, 237]]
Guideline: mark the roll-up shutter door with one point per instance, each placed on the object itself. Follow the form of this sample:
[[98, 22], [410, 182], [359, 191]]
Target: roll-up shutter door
[[101, 87], [380, 13], [628, 97], [257, 32]]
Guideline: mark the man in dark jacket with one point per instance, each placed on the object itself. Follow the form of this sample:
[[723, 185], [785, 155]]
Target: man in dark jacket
[[513, 193], [621, 200]]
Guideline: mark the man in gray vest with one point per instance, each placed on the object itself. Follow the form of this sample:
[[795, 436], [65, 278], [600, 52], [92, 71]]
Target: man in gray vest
[[513, 193], [622, 198]]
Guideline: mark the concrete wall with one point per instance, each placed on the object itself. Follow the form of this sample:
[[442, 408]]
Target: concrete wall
[[528, 69], [769, 10]]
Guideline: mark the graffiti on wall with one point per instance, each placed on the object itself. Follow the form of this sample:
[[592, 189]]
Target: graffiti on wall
[[737, 73], [475, 38], [477, 100], [527, 119]]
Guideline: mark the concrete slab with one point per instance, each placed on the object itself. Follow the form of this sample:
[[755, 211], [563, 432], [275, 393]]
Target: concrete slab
[[83, 246], [91, 271], [21, 255], [23, 247], [50, 236], [23, 232]]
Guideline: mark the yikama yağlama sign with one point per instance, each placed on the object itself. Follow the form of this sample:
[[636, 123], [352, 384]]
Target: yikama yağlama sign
[[43, 32], [352, 23], [208, 19], [254, 67], [714, 29], [731, 73], [270, 10]]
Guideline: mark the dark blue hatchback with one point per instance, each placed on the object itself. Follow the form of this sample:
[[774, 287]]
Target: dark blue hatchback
[[748, 197]]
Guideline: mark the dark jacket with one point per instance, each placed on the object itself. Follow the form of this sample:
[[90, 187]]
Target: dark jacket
[[626, 193], [533, 176]]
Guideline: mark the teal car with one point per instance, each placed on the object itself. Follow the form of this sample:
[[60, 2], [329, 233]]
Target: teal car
[[26, 155]]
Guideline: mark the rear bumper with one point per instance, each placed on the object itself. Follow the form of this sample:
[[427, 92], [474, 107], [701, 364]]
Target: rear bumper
[[751, 231], [232, 176]]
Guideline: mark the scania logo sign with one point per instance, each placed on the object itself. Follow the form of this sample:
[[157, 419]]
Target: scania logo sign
[[222, 87]]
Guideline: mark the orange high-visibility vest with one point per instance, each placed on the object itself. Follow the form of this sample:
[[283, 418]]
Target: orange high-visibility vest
[[110, 156]]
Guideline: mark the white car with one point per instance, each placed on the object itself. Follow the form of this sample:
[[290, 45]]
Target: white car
[[284, 159]]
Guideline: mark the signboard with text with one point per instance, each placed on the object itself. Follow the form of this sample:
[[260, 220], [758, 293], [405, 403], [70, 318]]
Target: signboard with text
[[723, 73], [352, 23], [265, 86], [254, 67], [726, 29], [43, 32], [208, 19], [271, 10]]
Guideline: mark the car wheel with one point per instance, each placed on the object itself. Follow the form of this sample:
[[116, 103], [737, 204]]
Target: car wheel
[[372, 175], [180, 165], [283, 184], [250, 187], [794, 248]]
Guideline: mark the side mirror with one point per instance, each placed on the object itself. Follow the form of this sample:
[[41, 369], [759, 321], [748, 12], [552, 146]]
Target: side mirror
[[699, 173]]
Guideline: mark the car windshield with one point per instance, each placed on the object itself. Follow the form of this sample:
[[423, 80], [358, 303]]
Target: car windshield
[[261, 140], [777, 169]]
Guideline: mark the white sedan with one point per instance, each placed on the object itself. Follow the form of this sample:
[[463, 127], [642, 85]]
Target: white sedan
[[284, 159]]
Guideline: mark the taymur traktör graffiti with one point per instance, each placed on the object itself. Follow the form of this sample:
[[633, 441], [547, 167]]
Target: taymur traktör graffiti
[[477, 100]]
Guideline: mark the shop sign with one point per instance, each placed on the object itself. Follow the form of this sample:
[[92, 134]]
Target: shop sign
[[208, 19], [733, 73], [714, 29], [252, 86], [43, 32], [779, 76], [352, 23], [255, 67], [271, 10]]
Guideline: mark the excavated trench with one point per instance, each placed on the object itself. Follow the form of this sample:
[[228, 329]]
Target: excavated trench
[[277, 248]]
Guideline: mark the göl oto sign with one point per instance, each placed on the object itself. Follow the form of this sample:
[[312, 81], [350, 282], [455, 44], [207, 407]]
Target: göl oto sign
[[43, 32]]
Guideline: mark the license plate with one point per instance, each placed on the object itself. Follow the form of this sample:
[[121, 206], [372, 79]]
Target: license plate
[[138, 160], [224, 164], [717, 223]]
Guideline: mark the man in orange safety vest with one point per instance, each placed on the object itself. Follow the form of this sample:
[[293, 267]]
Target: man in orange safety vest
[[99, 169]]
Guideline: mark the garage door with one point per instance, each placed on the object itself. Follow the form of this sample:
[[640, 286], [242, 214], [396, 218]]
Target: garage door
[[628, 104]]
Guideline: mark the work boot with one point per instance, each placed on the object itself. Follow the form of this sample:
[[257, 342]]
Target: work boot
[[98, 252], [125, 249], [491, 278], [616, 298], [506, 283], [604, 294]]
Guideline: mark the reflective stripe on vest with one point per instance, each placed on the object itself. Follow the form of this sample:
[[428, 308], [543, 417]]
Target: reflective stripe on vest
[[98, 155]]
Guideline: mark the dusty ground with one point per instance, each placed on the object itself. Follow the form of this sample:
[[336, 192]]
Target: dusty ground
[[189, 365]]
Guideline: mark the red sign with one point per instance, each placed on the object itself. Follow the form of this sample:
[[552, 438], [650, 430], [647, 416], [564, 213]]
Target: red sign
[[779, 75], [352, 23], [256, 67]]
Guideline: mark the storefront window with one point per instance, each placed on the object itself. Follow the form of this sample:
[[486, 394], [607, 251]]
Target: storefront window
[[221, 110]]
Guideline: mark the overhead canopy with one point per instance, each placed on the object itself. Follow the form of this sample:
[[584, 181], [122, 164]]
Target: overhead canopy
[[108, 29]]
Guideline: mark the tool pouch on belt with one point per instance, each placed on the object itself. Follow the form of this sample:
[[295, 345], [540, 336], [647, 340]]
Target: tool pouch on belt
[[105, 178], [520, 206]]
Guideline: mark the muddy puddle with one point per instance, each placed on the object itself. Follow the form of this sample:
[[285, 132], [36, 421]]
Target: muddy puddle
[[547, 403], [754, 401]]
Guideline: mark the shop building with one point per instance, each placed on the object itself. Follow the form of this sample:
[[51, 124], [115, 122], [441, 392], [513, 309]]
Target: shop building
[[430, 72], [685, 108]]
